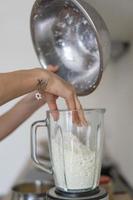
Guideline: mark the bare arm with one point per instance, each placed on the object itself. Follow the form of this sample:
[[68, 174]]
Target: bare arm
[[18, 83], [18, 114]]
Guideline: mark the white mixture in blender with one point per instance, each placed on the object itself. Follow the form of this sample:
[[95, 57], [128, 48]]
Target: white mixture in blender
[[74, 163]]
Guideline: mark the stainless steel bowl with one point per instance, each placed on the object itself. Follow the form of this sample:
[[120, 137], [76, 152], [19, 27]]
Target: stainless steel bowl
[[31, 191], [72, 35]]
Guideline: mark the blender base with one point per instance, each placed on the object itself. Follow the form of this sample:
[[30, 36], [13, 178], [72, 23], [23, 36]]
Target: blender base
[[101, 195]]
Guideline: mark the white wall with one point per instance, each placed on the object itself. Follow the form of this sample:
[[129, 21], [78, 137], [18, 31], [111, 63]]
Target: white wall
[[118, 15], [16, 52], [114, 93]]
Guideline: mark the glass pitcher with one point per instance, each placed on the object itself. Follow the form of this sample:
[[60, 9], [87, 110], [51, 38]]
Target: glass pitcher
[[75, 151]]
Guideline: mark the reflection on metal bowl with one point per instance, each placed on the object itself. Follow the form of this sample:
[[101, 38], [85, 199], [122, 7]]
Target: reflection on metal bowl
[[72, 35], [28, 191]]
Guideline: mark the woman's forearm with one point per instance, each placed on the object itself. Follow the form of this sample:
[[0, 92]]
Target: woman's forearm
[[18, 83], [15, 84], [18, 114]]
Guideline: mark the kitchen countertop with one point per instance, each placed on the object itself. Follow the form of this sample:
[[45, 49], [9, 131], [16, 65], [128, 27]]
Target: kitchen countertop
[[122, 197], [115, 197]]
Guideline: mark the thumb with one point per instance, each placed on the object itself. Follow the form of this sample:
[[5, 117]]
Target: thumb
[[53, 68]]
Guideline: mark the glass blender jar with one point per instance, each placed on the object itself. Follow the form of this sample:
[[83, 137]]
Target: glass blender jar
[[75, 153]]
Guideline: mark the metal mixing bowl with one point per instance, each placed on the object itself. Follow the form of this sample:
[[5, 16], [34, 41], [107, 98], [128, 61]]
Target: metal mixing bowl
[[72, 35], [31, 191]]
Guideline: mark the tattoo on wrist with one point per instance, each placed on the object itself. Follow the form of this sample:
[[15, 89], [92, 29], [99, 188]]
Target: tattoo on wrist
[[41, 86]]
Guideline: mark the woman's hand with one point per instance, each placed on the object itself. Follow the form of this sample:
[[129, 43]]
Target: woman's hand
[[17, 83], [57, 87]]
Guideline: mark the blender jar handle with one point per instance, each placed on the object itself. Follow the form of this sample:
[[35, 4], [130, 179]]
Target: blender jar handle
[[34, 128]]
